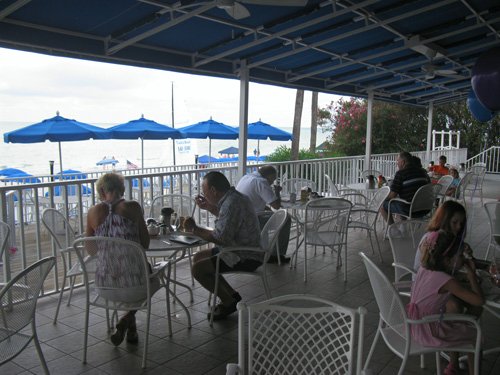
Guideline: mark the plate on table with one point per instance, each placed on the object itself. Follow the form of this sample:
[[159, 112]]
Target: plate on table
[[184, 239]]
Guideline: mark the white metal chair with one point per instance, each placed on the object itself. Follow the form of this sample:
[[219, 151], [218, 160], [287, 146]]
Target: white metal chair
[[123, 281], [475, 184], [460, 190], [334, 190], [444, 182], [325, 224], [18, 300], [368, 216], [268, 239], [295, 185], [493, 212], [299, 334], [4, 239], [394, 324], [421, 206], [404, 238], [63, 236]]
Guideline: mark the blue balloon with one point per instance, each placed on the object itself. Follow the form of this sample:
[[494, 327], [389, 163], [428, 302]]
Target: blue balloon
[[486, 79], [479, 111]]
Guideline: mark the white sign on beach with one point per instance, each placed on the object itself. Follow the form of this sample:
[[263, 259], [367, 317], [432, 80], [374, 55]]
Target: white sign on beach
[[183, 146]]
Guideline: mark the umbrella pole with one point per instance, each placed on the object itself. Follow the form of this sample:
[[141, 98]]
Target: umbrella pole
[[60, 160], [210, 150], [142, 154]]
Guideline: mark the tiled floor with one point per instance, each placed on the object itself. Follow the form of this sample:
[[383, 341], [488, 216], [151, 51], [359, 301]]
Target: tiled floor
[[206, 350]]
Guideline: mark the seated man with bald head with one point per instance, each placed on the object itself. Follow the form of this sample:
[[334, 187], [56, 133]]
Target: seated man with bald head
[[258, 187]]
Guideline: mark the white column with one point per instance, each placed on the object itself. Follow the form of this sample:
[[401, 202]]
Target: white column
[[242, 144], [368, 144], [429, 132], [458, 139]]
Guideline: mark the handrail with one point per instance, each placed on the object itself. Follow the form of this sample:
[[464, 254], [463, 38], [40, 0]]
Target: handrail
[[490, 157]]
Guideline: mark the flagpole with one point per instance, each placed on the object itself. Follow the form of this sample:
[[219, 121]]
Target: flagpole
[[173, 123]]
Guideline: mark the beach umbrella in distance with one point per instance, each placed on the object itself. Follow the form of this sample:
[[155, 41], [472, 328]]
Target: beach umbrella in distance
[[72, 174], [229, 151], [56, 129], [144, 129], [260, 130], [7, 172], [107, 161], [21, 178], [210, 129], [205, 159]]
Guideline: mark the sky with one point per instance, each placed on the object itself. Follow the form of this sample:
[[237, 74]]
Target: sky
[[34, 87]]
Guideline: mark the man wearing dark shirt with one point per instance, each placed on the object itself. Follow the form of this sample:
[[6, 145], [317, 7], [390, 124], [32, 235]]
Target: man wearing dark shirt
[[407, 180]]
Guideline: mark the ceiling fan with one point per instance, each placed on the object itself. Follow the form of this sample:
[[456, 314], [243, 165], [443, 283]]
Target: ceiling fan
[[433, 70], [431, 51], [237, 10]]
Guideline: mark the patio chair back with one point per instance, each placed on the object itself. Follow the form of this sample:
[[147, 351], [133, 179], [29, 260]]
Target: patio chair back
[[59, 228], [404, 238], [4, 238], [325, 224], [183, 206], [444, 182], [63, 236], [295, 185], [493, 212], [423, 200], [332, 188], [18, 300], [123, 281], [475, 184], [299, 334]]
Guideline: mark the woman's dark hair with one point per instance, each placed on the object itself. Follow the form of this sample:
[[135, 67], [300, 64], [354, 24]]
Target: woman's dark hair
[[218, 181], [443, 246], [442, 217]]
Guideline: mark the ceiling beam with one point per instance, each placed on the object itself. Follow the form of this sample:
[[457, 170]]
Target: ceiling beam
[[12, 8], [155, 30]]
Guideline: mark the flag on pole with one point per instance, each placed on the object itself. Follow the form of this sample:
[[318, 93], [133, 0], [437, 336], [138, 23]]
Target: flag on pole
[[131, 165]]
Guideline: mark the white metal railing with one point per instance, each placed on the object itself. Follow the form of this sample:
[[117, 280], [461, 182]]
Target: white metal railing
[[21, 205], [490, 157]]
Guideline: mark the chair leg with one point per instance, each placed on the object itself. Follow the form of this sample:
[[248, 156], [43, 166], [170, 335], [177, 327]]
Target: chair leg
[[146, 334], [39, 349], [372, 348], [266, 284], [60, 300], [72, 281], [378, 246]]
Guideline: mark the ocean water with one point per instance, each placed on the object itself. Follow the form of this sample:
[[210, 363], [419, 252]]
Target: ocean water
[[83, 155]]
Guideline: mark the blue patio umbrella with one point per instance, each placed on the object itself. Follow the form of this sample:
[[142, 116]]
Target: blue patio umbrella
[[56, 129], [72, 174], [210, 129], [144, 129], [7, 172], [260, 130], [22, 178], [107, 161], [205, 159], [229, 151]]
